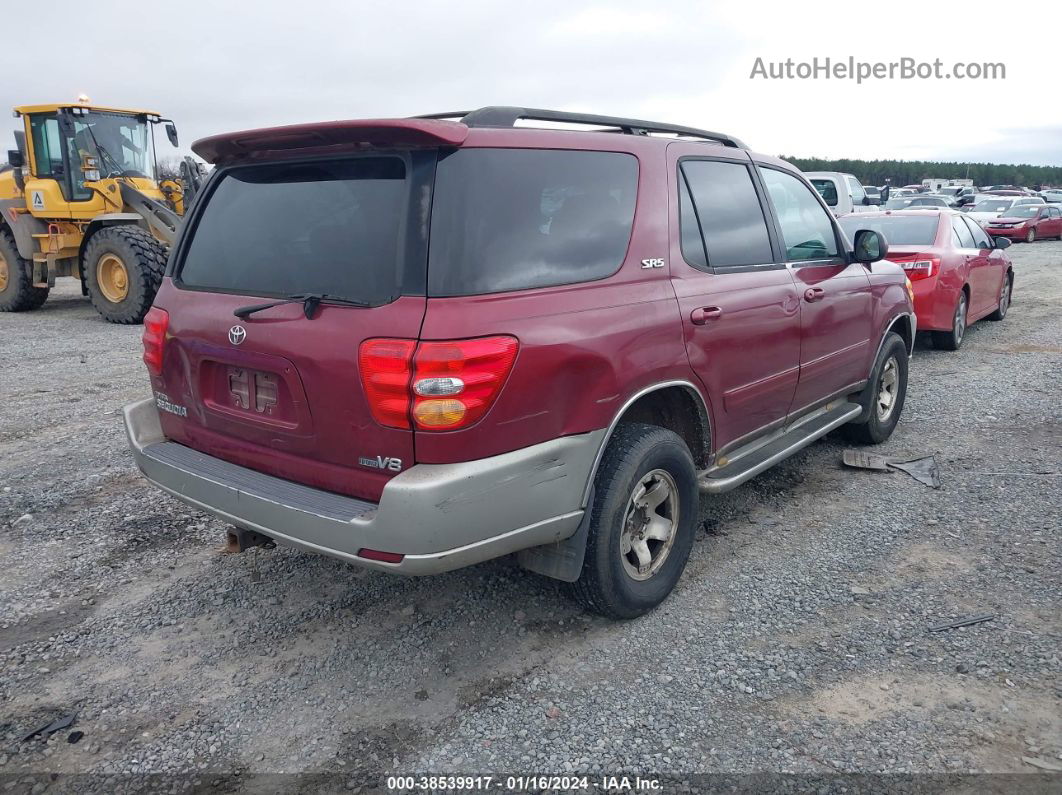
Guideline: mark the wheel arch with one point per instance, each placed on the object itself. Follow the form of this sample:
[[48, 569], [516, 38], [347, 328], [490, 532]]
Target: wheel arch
[[22, 227], [665, 404]]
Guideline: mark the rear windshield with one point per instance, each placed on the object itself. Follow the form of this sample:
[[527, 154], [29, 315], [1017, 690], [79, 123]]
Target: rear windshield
[[334, 227], [513, 219], [899, 230]]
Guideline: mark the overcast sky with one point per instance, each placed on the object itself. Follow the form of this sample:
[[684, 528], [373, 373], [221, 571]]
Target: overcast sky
[[218, 66]]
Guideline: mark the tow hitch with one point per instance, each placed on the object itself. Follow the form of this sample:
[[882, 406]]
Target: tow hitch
[[239, 540]]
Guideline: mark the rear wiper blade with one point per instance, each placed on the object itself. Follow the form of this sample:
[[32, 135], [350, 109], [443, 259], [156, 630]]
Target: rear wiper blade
[[309, 301]]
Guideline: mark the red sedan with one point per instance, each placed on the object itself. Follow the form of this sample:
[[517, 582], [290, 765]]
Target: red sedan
[[1028, 222], [959, 272]]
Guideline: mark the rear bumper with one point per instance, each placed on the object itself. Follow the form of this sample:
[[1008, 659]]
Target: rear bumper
[[934, 304], [439, 516]]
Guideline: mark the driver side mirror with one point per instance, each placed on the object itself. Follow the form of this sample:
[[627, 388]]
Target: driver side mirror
[[15, 158], [171, 132], [870, 246], [1001, 242]]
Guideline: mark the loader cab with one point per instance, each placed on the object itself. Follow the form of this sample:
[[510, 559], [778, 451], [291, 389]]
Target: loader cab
[[78, 144]]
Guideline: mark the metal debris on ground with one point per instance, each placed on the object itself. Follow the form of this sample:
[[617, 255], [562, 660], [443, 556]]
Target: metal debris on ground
[[962, 622], [51, 728], [863, 460], [924, 469]]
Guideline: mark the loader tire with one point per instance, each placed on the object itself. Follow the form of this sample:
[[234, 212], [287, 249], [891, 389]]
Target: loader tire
[[17, 293], [123, 271]]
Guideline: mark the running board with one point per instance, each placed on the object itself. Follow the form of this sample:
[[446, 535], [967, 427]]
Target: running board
[[747, 462]]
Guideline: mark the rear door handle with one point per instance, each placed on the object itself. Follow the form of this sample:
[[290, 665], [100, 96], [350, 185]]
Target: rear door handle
[[813, 294], [703, 314]]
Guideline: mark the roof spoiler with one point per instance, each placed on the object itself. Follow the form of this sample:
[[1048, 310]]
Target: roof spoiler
[[329, 135]]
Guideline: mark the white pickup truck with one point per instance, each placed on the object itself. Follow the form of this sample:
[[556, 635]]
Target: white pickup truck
[[842, 192]]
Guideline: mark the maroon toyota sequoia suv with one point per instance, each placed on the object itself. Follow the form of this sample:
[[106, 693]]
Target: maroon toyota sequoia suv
[[418, 344]]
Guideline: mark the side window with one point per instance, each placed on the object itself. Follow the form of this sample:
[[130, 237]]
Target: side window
[[962, 231], [729, 211], [47, 149], [980, 237], [827, 190], [858, 194], [689, 230], [807, 228]]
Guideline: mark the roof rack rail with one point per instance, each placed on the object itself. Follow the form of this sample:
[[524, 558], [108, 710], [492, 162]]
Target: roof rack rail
[[504, 116]]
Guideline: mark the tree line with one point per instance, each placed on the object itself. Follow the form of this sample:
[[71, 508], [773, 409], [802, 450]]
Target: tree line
[[908, 172]]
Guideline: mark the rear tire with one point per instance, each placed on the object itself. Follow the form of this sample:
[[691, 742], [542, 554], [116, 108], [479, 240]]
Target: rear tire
[[888, 392], [645, 509], [952, 340], [17, 293], [123, 271], [1005, 293]]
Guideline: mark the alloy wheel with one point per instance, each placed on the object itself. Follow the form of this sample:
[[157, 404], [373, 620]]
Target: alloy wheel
[[1004, 298], [960, 318], [888, 389], [649, 525]]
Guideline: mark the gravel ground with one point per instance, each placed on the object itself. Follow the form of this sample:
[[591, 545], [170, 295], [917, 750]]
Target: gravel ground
[[797, 640]]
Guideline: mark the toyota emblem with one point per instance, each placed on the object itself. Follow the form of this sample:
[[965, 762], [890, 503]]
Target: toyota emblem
[[237, 334]]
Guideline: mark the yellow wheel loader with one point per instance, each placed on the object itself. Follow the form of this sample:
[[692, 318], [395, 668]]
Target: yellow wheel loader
[[79, 197]]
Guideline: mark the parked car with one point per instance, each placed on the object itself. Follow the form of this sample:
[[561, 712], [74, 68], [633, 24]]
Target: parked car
[[603, 325], [916, 203], [1027, 222], [842, 192], [1052, 195], [989, 208], [959, 272], [957, 195]]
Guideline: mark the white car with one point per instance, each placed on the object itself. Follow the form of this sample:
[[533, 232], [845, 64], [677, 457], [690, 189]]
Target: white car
[[989, 208], [1052, 195], [842, 192]]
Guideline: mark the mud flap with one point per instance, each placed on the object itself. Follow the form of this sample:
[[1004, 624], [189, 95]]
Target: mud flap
[[564, 559]]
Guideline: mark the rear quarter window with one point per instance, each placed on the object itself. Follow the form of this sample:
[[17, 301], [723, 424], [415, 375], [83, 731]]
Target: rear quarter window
[[515, 219]]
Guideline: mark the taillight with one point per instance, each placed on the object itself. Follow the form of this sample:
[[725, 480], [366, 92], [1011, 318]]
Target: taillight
[[444, 386], [385, 366], [921, 268], [156, 324], [455, 382]]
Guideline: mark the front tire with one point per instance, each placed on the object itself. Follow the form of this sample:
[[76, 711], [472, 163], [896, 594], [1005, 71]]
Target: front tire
[[1005, 293], [952, 340], [642, 527], [123, 271], [888, 392], [1030, 236], [17, 293]]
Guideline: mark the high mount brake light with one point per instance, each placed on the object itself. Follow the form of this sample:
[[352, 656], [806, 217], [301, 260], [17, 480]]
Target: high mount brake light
[[156, 325], [443, 386]]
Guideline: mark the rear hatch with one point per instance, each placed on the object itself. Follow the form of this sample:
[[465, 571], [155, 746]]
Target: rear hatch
[[279, 389]]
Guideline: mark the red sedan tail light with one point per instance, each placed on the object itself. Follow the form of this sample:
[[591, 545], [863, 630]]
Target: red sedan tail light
[[919, 267]]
